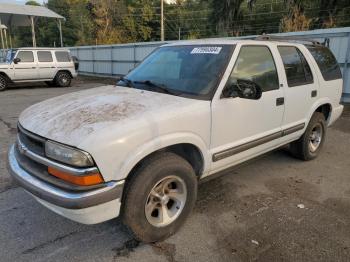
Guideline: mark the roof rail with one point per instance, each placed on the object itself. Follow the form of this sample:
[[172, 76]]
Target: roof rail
[[289, 38]]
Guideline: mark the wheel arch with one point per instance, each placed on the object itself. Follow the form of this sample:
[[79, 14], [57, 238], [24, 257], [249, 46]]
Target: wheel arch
[[190, 152], [64, 71], [326, 110], [323, 106], [6, 76]]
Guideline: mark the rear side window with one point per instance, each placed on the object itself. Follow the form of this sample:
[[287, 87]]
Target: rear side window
[[44, 56], [326, 62], [62, 56], [26, 56], [297, 69]]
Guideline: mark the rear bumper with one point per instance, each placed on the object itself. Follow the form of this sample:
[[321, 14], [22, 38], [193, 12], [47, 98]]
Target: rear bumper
[[336, 113], [70, 203]]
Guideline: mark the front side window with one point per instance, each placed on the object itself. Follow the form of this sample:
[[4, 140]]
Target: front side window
[[192, 70], [62, 56], [255, 64], [326, 62], [44, 56], [297, 69], [10, 55], [26, 56]]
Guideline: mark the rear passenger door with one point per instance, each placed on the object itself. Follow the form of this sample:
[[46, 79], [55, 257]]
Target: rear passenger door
[[300, 89], [46, 65], [26, 69]]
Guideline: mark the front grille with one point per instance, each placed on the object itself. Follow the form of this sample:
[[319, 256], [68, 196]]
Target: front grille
[[34, 143]]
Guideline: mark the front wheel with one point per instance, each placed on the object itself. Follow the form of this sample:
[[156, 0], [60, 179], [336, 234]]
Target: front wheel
[[3, 83], [63, 79], [159, 197], [310, 144]]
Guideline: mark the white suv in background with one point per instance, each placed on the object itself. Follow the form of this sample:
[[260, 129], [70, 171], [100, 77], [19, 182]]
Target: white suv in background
[[54, 66], [189, 110]]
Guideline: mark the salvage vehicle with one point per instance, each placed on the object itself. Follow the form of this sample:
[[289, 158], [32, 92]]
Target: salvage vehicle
[[189, 110], [54, 66]]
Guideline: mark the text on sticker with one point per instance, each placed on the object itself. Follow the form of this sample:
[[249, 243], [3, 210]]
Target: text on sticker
[[207, 50]]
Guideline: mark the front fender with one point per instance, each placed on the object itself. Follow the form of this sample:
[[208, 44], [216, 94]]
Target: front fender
[[135, 156]]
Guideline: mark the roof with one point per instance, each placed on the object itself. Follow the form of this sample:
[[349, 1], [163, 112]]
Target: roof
[[17, 15], [218, 41], [42, 48]]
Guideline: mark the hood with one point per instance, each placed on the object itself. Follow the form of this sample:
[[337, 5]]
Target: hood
[[71, 118]]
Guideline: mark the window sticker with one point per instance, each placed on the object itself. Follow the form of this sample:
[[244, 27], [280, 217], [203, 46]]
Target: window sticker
[[215, 50]]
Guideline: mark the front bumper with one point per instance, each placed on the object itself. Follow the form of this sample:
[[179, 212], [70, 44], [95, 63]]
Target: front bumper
[[65, 202]]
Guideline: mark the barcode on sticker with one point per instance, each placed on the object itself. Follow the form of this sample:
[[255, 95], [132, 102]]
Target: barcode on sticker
[[207, 50]]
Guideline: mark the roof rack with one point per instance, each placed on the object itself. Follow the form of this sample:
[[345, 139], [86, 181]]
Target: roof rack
[[290, 38]]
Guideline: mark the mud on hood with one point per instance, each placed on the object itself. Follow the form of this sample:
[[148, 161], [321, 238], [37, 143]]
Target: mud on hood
[[70, 118]]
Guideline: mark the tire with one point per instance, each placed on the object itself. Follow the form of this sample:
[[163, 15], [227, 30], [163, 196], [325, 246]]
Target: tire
[[3, 83], [50, 83], [142, 211], [310, 144], [63, 79]]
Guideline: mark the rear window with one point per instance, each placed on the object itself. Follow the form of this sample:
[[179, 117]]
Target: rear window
[[62, 56], [297, 69], [44, 56], [326, 62]]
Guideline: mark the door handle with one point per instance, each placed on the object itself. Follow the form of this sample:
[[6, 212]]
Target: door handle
[[280, 101], [314, 93]]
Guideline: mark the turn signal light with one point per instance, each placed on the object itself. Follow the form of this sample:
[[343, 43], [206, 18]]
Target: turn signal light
[[88, 180]]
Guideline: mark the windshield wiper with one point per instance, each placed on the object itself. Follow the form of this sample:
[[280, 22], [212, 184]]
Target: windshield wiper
[[128, 82], [160, 87]]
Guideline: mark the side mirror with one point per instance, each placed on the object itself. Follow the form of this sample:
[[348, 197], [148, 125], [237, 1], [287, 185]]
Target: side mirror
[[243, 88], [17, 60]]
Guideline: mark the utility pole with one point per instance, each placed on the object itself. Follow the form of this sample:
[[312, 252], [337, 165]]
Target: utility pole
[[162, 20]]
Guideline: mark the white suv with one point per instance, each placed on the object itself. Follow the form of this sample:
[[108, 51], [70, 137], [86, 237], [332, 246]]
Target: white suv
[[54, 66], [188, 111]]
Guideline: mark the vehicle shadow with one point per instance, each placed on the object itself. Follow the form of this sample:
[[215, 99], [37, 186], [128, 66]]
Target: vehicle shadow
[[31, 232]]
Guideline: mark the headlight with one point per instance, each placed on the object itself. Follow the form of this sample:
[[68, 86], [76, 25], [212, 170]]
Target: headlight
[[68, 155]]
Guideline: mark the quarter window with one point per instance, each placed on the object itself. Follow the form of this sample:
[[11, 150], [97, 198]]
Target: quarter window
[[62, 56], [326, 62], [26, 56], [44, 56], [297, 68], [256, 64]]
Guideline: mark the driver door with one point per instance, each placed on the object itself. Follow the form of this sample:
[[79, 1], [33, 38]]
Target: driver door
[[243, 128], [26, 68]]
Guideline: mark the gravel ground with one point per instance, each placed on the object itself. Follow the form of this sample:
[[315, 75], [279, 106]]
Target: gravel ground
[[248, 214]]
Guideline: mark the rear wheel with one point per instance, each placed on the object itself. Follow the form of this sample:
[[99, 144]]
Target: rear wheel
[[3, 83], [159, 197], [310, 144], [63, 79]]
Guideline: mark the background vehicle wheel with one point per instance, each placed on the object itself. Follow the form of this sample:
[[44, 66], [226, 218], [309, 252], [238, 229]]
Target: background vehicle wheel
[[3, 83], [159, 197], [50, 83], [63, 79], [310, 144]]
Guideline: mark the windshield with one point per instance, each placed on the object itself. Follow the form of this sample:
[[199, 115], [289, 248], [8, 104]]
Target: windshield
[[10, 55], [191, 71]]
